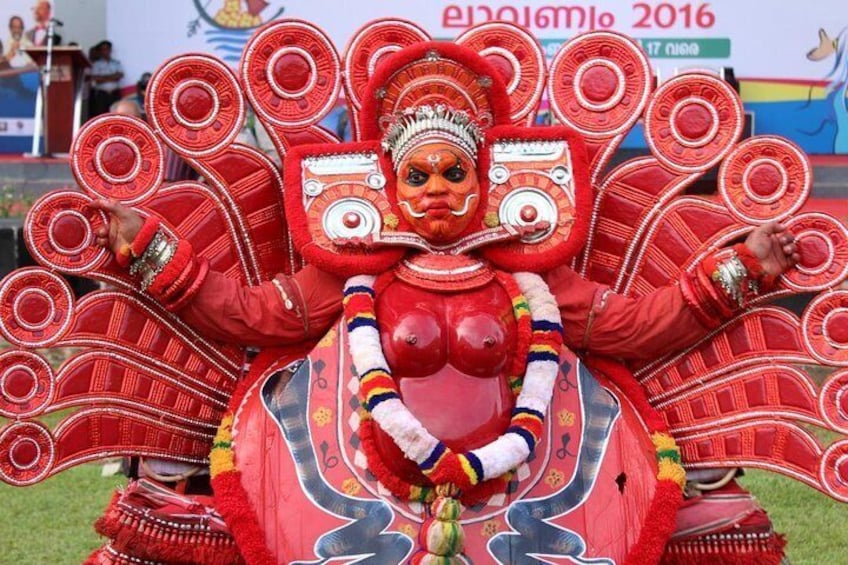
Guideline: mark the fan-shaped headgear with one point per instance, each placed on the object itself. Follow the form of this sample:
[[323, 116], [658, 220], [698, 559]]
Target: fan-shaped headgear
[[433, 91]]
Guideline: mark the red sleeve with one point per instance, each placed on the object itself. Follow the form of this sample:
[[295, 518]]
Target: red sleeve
[[606, 323], [285, 311]]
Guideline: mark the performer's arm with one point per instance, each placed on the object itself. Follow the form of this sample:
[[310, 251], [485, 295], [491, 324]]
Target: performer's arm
[[672, 317], [285, 311]]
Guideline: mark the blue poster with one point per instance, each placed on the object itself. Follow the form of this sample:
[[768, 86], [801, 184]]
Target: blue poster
[[23, 24]]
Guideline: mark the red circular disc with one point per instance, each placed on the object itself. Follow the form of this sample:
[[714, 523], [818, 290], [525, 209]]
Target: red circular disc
[[60, 231], [833, 398], [27, 453], [369, 46], [765, 179], [519, 58], [823, 328], [833, 472], [291, 73], [692, 122], [35, 307], [599, 84], [196, 104], [823, 246], [26, 384], [119, 158]]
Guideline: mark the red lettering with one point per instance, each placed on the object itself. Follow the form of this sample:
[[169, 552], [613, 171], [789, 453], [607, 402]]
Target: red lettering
[[644, 20], [704, 17], [606, 20], [452, 17], [665, 15]]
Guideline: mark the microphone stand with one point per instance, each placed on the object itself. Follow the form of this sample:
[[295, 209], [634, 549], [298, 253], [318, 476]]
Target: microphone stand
[[46, 79]]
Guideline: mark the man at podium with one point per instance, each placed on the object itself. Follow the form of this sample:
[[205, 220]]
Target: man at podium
[[37, 36]]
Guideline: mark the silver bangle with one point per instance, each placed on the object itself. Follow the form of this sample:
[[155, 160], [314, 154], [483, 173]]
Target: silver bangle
[[733, 277], [154, 259]]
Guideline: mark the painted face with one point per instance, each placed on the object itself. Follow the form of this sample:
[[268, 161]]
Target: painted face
[[437, 191]]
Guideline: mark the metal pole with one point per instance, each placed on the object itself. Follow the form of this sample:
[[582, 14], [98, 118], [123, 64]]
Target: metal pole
[[46, 77]]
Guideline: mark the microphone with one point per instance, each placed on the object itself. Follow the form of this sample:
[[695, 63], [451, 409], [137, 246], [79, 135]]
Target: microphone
[[57, 22]]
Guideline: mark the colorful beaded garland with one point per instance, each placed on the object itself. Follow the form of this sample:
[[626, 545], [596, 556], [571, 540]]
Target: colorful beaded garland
[[381, 398]]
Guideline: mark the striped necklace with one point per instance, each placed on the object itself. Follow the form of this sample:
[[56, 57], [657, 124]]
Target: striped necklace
[[378, 391]]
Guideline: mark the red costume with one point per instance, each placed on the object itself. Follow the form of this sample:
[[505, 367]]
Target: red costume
[[594, 319], [450, 415]]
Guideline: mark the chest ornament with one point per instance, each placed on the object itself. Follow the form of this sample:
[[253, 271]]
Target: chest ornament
[[532, 377]]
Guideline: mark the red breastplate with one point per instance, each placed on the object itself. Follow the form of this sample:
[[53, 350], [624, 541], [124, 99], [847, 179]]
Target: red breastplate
[[449, 353]]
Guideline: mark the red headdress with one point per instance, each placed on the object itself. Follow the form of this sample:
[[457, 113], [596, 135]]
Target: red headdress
[[341, 197]]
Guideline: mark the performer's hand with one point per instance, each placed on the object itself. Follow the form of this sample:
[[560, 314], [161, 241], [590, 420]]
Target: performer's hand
[[774, 247], [124, 225]]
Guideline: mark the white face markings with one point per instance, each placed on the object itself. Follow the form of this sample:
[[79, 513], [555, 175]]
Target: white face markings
[[434, 159]]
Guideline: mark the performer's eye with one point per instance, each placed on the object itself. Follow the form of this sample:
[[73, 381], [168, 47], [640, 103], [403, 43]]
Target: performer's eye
[[455, 174], [416, 178]]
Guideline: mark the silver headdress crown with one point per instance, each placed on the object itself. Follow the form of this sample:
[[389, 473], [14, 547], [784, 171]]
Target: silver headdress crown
[[420, 124]]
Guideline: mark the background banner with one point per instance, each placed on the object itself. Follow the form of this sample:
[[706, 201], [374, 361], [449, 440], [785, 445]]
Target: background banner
[[789, 56], [22, 24]]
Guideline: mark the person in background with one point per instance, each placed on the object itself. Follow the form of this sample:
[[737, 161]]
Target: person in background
[[106, 75], [16, 44], [140, 92], [42, 11], [127, 107]]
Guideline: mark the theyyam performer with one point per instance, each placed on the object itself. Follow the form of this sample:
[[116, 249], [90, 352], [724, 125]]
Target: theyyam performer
[[475, 343]]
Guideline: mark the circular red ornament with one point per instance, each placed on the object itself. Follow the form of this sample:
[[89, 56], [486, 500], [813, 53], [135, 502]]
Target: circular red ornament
[[60, 231], [834, 400], [35, 307], [291, 74], [833, 472], [823, 246], [765, 179], [519, 59], [119, 158], [369, 47], [599, 84], [351, 220], [692, 122], [26, 384], [196, 104], [823, 328], [27, 453], [529, 213]]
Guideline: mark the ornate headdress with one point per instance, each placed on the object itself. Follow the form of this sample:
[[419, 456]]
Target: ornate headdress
[[427, 123], [344, 194]]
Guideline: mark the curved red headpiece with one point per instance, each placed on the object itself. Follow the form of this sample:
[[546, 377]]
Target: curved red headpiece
[[433, 73], [342, 198]]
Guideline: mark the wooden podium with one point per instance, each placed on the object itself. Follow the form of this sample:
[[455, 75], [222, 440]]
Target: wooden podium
[[62, 109]]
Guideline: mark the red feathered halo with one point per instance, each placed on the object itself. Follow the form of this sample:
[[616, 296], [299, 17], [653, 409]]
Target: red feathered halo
[[537, 174], [431, 73], [341, 199]]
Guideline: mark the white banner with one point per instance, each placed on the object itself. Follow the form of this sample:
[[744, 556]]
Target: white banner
[[787, 50]]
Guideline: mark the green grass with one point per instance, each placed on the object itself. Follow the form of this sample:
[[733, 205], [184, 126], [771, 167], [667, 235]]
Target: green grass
[[51, 523], [815, 525]]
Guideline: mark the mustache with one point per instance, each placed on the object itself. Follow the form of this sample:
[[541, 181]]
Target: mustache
[[461, 212]]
